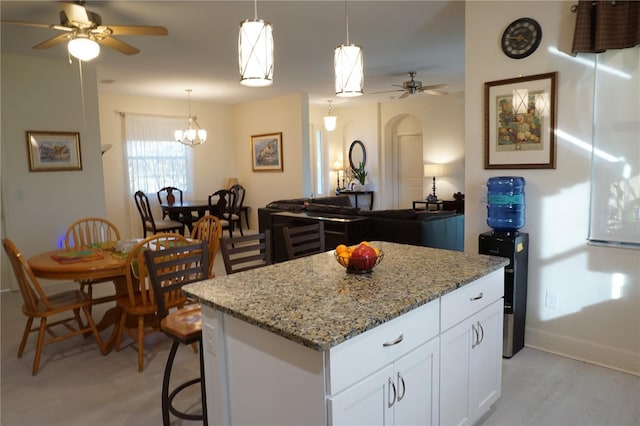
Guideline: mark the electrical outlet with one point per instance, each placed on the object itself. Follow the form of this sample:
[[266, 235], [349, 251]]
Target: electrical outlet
[[551, 300]]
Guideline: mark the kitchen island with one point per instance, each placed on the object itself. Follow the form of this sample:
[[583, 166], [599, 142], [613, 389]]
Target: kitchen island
[[418, 340]]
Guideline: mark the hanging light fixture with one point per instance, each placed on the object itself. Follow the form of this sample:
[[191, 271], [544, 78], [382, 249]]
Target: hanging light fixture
[[83, 47], [330, 120], [255, 51], [520, 101], [349, 66], [193, 135]]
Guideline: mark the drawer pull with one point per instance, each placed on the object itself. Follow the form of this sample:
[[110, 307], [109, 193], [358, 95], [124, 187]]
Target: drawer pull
[[392, 385], [480, 296], [394, 342]]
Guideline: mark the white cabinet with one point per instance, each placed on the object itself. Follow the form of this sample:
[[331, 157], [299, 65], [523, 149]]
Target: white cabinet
[[402, 393], [471, 355]]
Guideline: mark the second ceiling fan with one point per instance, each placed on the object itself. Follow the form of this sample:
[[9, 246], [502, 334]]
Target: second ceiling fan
[[413, 86]]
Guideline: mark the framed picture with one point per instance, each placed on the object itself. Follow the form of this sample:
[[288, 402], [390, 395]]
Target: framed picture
[[266, 152], [53, 151], [520, 122]]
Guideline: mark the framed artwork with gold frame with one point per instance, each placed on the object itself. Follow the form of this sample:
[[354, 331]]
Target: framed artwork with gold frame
[[53, 151]]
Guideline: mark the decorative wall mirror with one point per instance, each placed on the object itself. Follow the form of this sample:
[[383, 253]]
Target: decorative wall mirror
[[357, 155]]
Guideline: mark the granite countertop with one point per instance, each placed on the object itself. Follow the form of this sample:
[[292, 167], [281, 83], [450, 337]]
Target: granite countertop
[[314, 302]]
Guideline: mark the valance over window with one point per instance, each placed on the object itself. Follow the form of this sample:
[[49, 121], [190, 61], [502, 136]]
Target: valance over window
[[602, 25]]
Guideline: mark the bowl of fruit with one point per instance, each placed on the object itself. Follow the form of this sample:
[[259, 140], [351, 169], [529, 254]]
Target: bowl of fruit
[[358, 259]]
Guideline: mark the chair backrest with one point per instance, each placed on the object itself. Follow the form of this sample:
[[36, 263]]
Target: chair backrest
[[238, 191], [208, 228], [173, 267], [139, 290], [144, 208], [90, 230], [35, 299], [169, 193], [223, 203], [248, 252], [305, 240]]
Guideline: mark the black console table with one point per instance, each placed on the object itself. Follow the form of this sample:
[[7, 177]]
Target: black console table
[[356, 193]]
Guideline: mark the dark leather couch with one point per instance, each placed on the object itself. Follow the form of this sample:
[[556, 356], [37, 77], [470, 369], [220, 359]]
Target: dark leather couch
[[349, 225]]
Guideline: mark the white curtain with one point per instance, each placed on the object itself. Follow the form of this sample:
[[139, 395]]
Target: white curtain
[[154, 160]]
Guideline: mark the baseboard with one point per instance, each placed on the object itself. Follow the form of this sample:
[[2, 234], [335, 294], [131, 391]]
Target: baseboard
[[582, 350]]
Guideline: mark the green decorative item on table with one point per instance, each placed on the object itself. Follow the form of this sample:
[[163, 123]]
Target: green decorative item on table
[[360, 173]]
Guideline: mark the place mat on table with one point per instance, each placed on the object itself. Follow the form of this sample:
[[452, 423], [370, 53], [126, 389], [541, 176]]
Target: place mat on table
[[106, 246], [77, 256]]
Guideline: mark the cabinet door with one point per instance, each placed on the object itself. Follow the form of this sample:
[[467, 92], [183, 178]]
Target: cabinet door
[[368, 402], [416, 378], [455, 353], [486, 360]]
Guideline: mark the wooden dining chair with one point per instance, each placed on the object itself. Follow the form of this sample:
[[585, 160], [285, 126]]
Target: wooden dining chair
[[235, 210], [169, 270], [91, 230], [305, 240], [246, 252], [139, 301], [169, 193], [219, 203], [149, 223], [37, 304], [208, 228]]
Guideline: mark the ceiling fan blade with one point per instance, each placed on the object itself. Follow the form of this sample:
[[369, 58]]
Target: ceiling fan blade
[[386, 91], [118, 45], [28, 24], [435, 87], [52, 41], [137, 30], [76, 13], [434, 92], [404, 95]]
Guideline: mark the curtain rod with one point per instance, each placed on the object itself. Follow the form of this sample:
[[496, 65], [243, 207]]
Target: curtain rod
[[123, 113], [574, 8]]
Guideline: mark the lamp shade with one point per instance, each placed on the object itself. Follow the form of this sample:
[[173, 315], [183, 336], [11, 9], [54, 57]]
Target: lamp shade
[[231, 182], [432, 170], [83, 48], [349, 70], [330, 122], [255, 53]]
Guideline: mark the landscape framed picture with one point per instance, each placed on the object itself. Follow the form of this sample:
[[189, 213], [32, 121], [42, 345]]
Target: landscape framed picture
[[53, 151], [266, 152], [520, 122]]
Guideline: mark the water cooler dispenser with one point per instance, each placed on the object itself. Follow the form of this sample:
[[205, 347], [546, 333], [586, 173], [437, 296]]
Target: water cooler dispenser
[[505, 214]]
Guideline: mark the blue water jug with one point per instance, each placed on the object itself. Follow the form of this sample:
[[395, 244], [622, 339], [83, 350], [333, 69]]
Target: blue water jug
[[505, 203]]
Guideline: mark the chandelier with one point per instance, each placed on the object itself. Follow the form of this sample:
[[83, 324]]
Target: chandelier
[[193, 135]]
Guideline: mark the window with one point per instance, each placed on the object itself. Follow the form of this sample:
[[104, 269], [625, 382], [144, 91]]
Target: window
[[318, 163], [154, 159]]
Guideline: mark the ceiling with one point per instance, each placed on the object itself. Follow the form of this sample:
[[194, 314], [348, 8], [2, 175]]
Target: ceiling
[[200, 52]]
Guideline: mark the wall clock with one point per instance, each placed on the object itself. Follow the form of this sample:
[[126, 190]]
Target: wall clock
[[521, 38]]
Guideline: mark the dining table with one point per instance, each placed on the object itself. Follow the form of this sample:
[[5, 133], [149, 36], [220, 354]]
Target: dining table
[[96, 262], [183, 211]]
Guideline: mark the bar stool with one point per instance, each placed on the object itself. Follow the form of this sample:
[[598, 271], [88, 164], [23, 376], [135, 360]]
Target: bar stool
[[170, 269]]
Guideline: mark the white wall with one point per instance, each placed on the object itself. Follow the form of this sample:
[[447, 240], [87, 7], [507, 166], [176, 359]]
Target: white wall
[[589, 322], [214, 161], [47, 95]]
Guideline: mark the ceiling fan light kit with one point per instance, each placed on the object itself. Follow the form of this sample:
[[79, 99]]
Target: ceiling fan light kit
[[83, 47], [193, 135], [348, 64]]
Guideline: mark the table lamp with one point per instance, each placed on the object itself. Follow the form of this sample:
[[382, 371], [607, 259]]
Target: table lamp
[[337, 166], [432, 170]]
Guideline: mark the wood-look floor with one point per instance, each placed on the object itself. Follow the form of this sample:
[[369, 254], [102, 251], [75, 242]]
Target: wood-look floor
[[78, 386]]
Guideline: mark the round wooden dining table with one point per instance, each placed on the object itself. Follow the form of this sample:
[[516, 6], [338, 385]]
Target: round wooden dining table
[[91, 264]]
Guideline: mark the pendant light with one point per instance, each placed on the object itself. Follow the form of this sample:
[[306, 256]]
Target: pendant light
[[193, 135], [330, 120], [255, 51], [349, 66]]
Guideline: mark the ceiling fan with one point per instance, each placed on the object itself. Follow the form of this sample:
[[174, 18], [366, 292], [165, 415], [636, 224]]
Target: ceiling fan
[[412, 86], [83, 27]]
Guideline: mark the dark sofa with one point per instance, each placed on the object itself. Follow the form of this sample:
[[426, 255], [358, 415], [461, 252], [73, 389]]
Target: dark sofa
[[345, 224]]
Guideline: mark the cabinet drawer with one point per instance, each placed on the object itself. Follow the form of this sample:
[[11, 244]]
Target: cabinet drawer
[[469, 299], [362, 355]]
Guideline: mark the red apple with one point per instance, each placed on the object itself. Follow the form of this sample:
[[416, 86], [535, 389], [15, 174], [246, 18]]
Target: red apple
[[363, 257]]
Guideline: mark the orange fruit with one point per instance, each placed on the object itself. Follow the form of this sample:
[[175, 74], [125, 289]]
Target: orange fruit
[[341, 249], [365, 243]]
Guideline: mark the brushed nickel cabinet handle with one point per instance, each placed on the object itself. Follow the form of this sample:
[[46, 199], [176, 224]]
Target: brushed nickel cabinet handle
[[394, 342], [404, 389], [392, 386], [480, 296]]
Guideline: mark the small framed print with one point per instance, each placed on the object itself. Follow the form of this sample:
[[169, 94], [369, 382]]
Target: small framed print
[[53, 151], [520, 122], [266, 152]]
